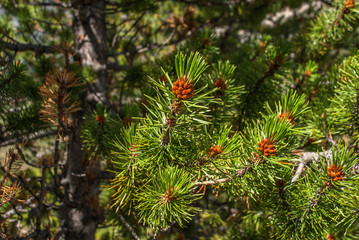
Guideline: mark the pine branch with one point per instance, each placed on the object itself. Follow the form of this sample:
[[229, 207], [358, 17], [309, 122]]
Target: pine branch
[[307, 158], [209, 3], [18, 208], [128, 226], [222, 180], [50, 4], [34, 165], [9, 140], [117, 67], [272, 67], [37, 48], [240, 173]]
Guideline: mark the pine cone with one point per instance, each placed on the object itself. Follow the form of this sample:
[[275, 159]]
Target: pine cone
[[176, 107], [182, 88], [330, 237], [100, 118], [205, 42], [288, 116], [221, 85], [345, 10], [258, 159], [214, 151], [335, 172], [163, 78], [133, 149], [170, 122], [349, 3], [306, 74], [267, 147], [327, 184], [169, 195], [144, 102]]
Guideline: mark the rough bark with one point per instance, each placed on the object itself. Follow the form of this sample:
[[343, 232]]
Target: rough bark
[[81, 212], [89, 29]]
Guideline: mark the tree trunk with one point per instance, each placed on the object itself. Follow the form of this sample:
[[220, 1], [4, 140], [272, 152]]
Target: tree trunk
[[81, 212]]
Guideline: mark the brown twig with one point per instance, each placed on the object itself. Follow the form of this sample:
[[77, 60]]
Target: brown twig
[[128, 226]]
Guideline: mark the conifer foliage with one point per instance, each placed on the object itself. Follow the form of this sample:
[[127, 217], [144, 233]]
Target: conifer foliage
[[179, 119]]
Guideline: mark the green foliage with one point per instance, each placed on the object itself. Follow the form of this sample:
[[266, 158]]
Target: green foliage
[[167, 198], [331, 25], [98, 130], [228, 162], [20, 101], [343, 111]]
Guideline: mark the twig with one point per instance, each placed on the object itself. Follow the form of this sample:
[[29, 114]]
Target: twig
[[222, 180], [331, 141], [37, 48], [9, 140], [306, 158], [128, 226], [240, 173], [161, 231], [31, 164]]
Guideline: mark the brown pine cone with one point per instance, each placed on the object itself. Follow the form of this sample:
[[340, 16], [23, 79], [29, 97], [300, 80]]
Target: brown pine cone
[[100, 118], [267, 148], [288, 116], [335, 172], [349, 3], [214, 151], [182, 88], [176, 107], [220, 83], [170, 122], [163, 78]]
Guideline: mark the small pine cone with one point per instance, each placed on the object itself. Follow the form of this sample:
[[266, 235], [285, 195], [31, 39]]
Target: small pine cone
[[168, 196], [242, 172], [166, 138], [327, 184], [183, 89], [127, 121], [221, 85], [258, 159], [133, 149], [335, 172], [163, 78], [280, 183], [330, 237], [214, 151], [176, 107], [279, 60], [170, 122], [144, 102], [100, 118], [205, 42], [349, 3], [202, 161], [267, 148], [262, 46], [288, 116], [306, 74], [345, 10]]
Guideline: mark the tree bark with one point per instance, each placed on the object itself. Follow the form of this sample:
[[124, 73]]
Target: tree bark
[[81, 212], [89, 29]]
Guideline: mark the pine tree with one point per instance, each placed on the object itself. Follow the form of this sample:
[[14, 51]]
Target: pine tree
[[193, 119]]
